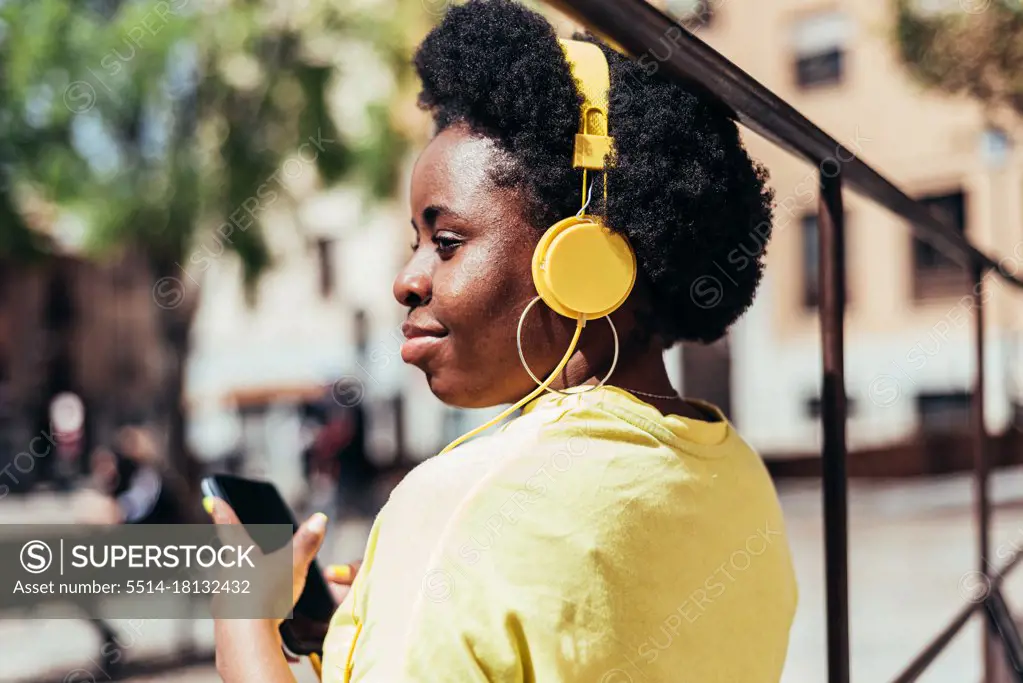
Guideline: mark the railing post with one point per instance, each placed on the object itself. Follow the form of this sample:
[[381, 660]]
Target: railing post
[[981, 508], [831, 227]]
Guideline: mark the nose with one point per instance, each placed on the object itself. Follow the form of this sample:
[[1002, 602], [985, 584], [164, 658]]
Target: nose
[[413, 285]]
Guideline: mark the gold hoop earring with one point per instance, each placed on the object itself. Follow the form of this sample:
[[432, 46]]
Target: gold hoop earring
[[522, 356]]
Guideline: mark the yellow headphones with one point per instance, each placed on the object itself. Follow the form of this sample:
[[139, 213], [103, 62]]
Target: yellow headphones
[[581, 269]]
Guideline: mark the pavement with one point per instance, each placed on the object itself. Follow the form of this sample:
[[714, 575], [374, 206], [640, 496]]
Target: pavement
[[912, 549]]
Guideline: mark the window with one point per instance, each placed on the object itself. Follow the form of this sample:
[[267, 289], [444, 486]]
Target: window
[[935, 274], [811, 261], [361, 325], [819, 44], [944, 413], [325, 262], [692, 13], [952, 209], [995, 147]]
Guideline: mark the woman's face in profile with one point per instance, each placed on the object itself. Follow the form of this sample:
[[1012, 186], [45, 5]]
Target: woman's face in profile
[[468, 279]]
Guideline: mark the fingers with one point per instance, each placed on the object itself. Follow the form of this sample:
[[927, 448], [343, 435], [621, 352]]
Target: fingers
[[339, 592], [309, 538], [229, 528], [342, 574], [340, 578], [220, 511], [306, 544]]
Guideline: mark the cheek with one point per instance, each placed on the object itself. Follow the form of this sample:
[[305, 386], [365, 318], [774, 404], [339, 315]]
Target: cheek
[[472, 270], [483, 287]]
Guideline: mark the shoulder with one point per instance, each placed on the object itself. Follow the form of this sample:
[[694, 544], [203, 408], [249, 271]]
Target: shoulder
[[527, 436], [455, 469], [570, 496], [566, 471]]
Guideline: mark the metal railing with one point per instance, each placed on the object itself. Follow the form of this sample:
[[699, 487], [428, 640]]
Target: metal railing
[[638, 29]]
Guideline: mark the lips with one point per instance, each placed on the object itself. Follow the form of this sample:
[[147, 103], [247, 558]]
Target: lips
[[412, 330], [421, 340]]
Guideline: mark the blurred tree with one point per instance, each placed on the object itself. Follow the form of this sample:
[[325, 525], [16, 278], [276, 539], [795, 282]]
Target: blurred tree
[[162, 126], [970, 47]]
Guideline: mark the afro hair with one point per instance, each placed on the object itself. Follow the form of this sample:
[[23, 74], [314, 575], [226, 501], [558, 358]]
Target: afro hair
[[682, 187]]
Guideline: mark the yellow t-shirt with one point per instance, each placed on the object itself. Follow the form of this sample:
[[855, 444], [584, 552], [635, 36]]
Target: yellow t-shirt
[[590, 540]]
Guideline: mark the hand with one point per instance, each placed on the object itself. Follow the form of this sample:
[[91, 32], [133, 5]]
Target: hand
[[340, 578], [251, 649]]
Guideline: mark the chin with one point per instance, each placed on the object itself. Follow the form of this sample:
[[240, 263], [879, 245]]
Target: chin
[[459, 394], [455, 396]]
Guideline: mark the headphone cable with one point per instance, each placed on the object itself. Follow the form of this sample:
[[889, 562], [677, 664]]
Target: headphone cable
[[580, 323]]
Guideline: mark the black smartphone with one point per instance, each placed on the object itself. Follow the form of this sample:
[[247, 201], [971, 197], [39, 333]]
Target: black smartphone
[[259, 502]]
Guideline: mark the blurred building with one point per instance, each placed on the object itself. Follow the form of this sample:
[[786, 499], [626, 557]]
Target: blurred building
[[257, 361], [69, 325], [909, 363]]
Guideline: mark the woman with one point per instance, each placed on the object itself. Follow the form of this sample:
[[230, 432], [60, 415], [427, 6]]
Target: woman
[[608, 533]]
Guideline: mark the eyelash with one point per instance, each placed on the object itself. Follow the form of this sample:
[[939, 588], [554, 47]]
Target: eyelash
[[445, 246]]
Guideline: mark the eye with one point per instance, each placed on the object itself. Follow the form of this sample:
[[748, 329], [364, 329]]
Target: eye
[[446, 245]]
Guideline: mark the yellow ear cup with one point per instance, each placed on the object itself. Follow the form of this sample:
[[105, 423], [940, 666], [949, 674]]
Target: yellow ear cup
[[582, 269]]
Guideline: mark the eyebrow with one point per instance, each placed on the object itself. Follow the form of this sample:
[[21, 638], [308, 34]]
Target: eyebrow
[[431, 213]]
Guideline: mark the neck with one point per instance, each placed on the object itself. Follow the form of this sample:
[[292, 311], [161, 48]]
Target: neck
[[640, 367]]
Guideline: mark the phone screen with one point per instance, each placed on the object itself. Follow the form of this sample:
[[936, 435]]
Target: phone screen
[[257, 502]]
